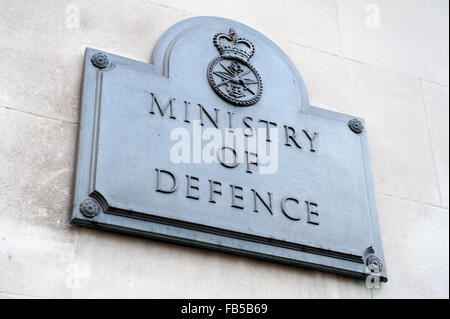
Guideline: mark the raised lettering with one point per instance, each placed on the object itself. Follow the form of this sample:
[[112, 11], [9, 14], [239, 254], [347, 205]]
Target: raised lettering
[[283, 207], [252, 130], [235, 196], [268, 123], [158, 182], [191, 187], [311, 140], [213, 191], [225, 164], [257, 196], [311, 212], [214, 122], [255, 162], [186, 111], [162, 111]]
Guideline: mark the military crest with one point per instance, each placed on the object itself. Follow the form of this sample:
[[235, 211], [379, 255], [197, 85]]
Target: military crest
[[231, 75]]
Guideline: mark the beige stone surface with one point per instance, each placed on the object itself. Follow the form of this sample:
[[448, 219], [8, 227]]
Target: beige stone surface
[[40, 63], [436, 103], [116, 265], [416, 249], [36, 175], [43, 58], [35, 260], [36, 168], [411, 36], [325, 75]]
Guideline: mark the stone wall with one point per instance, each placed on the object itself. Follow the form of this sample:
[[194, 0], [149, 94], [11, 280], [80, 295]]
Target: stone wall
[[386, 61]]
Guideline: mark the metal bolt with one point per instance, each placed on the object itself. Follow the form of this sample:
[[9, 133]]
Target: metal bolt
[[356, 126], [100, 60], [375, 263], [90, 208]]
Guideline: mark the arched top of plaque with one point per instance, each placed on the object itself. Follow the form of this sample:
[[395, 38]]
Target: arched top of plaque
[[230, 61]]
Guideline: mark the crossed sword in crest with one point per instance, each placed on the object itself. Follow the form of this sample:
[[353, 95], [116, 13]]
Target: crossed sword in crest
[[228, 76]]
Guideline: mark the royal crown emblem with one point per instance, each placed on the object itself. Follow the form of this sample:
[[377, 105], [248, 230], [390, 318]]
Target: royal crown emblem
[[231, 75]]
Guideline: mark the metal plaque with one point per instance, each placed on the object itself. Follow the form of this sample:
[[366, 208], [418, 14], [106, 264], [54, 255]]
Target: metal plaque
[[214, 144]]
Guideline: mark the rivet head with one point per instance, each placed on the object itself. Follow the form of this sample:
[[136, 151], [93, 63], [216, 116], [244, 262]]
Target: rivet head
[[100, 60], [90, 208], [356, 126], [374, 263]]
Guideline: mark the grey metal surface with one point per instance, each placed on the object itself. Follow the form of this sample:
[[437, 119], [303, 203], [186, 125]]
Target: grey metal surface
[[323, 213]]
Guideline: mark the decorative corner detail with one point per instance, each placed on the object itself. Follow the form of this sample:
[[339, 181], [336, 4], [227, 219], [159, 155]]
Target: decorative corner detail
[[90, 208], [100, 60], [231, 75], [356, 126], [374, 264]]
